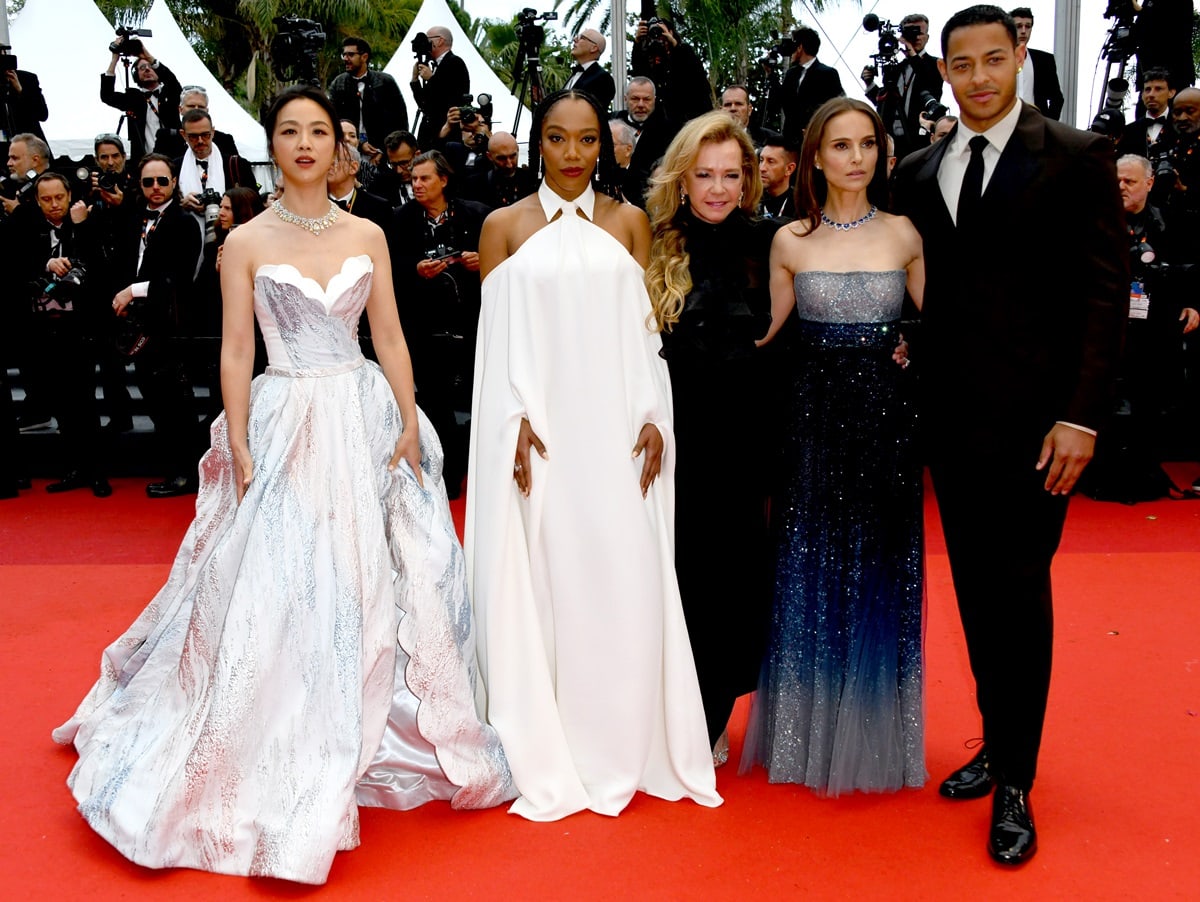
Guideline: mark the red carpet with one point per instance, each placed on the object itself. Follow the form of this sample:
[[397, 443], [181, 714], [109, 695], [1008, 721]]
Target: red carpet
[[1117, 800]]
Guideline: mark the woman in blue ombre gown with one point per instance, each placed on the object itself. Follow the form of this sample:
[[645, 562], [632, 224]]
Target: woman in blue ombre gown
[[839, 706]]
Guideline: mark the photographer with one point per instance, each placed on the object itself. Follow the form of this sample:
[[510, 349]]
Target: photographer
[[1143, 133], [437, 287], [170, 142], [464, 139], [152, 105], [28, 157], [918, 88], [1177, 175], [204, 172], [393, 179], [49, 261], [152, 249], [504, 182], [438, 82], [369, 99], [681, 83], [652, 134], [807, 84], [587, 74], [24, 106], [109, 180], [1129, 454]]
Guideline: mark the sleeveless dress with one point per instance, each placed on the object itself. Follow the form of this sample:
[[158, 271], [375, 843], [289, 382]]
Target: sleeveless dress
[[840, 703], [313, 647], [583, 648]]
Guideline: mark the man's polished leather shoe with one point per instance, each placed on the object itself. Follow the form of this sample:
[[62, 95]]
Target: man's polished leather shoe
[[1013, 839], [973, 781], [171, 488], [76, 480]]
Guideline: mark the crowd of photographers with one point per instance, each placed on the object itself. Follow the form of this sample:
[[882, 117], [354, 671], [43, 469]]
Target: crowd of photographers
[[118, 263]]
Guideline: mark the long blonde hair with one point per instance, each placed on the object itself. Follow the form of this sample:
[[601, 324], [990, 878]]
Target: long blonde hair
[[667, 278]]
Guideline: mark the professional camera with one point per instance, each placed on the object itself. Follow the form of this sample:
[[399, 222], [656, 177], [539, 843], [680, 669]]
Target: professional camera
[[8, 62], [932, 107], [211, 201], [58, 294], [130, 46], [105, 180], [294, 49], [782, 49], [422, 48], [1162, 158], [530, 38], [1110, 120], [889, 42], [16, 189], [443, 252], [1120, 43], [467, 114]]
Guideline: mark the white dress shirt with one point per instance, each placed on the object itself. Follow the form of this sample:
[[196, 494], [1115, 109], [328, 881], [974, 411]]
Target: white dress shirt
[[958, 154]]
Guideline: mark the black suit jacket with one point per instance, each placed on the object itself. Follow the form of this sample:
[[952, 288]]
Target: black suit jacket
[[450, 82], [800, 97], [906, 106], [1047, 95], [169, 264], [383, 108], [373, 207], [238, 173], [170, 143], [595, 80], [26, 111], [654, 136], [133, 104], [1136, 137], [1031, 334]]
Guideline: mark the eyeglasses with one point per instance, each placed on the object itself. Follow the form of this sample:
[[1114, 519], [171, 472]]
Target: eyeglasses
[[400, 164], [197, 136], [584, 37], [193, 89], [149, 181], [108, 138], [350, 53]]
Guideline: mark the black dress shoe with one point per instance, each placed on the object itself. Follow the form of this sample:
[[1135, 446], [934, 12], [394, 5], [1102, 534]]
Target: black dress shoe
[[171, 488], [973, 781], [70, 482], [101, 488], [1013, 839], [24, 482]]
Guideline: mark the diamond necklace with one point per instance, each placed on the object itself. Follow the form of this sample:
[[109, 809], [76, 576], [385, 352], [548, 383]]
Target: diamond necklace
[[845, 226], [316, 226]]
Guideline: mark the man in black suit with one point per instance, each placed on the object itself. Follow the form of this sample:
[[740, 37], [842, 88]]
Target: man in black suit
[[1009, 432], [807, 84], [438, 85], [505, 182], [152, 105], [735, 100], [22, 104], [345, 191], [1143, 133], [652, 134], [170, 141], [1037, 82], [918, 80], [587, 74], [154, 247], [369, 99], [204, 166], [776, 164]]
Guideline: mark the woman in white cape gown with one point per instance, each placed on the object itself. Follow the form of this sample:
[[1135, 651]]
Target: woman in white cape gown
[[584, 656], [312, 649]]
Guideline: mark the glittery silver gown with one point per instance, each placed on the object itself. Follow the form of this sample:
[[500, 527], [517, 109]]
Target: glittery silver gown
[[839, 706], [313, 647]]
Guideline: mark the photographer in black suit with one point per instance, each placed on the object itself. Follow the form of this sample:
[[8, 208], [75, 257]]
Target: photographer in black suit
[[371, 100], [170, 141], [1155, 126], [153, 248], [438, 84], [919, 80], [680, 79], [22, 104], [437, 288], [506, 181], [151, 105], [587, 74], [807, 84]]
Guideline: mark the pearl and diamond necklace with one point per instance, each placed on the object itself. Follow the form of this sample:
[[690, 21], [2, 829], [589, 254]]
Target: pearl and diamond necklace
[[316, 226]]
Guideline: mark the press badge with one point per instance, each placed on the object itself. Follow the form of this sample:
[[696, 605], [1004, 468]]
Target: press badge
[[1139, 301]]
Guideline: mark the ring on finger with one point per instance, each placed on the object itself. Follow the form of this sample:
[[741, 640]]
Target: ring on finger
[[517, 468]]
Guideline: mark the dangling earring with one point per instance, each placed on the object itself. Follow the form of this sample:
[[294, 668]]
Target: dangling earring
[[741, 197]]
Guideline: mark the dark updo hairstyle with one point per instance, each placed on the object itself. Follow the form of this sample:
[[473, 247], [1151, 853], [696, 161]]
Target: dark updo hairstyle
[[607, 176], [246, 203], [811, 187], [300, 92]]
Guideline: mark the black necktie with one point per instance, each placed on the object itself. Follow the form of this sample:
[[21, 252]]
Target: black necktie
[[972, 183]]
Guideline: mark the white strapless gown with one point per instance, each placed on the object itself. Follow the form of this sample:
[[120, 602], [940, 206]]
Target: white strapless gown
[[313, 648]]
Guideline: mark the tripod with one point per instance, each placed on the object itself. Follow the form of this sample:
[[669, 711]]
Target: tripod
[[531, 82]]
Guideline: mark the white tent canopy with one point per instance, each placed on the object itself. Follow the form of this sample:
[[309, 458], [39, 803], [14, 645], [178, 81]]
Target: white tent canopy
[[483, 79]]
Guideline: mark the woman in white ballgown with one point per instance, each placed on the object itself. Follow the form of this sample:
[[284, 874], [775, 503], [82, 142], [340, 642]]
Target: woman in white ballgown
[[313, 647], [583, 650]]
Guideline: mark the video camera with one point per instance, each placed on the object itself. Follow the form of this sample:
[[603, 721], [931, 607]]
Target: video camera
[[422, 48], [1110, 120], [530, 38], [1120, 43], [294, 49], [8, 62], [127, 43]]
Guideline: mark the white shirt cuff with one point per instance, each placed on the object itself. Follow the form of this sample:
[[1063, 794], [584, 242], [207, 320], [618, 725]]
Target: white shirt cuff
[[1091, 432]]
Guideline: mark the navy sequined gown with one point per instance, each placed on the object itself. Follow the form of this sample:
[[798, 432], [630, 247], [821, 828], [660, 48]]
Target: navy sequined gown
[[840, 706]]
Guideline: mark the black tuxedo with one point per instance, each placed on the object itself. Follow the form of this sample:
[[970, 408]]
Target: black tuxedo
[[383, 109], [1136, 137], [1047, 94], [1054, 293], [802, 92], [373, 207], [170, 143], [134, 102], [900, 108], [781, 207], [653, 137], [25, 112], [493, 190], [450, 82], [595, 80]]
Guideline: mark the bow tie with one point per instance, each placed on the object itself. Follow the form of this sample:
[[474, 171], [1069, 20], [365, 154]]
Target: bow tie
[[576, 69], [156, 93], [151, 215], [344, 204]]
